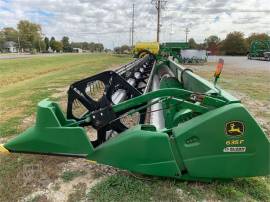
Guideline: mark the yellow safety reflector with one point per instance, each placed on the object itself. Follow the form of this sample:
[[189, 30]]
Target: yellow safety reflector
[[90, 161], [3, 149]]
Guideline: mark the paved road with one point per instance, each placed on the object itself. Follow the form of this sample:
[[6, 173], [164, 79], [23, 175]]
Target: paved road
[[241, 62]]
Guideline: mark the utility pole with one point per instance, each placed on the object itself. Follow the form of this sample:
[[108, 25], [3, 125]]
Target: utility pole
[[19, 44], [160, 4], [39, 45], [129, 39], [158, 20], [132, 27], [187, 32]]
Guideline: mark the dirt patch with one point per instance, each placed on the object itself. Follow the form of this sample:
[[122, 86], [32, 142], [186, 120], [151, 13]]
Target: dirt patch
[[3, 140], [114, 67], [60, 92], [27, 122], [61, 190]]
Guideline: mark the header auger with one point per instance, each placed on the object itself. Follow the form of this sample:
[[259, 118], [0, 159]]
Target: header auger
[[155, 117]]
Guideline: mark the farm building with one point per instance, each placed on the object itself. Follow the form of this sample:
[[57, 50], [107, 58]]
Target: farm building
[[10, 47], [77, 50]]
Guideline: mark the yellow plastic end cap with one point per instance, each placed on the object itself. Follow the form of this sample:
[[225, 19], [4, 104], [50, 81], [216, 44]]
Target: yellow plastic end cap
[[3, 149], [90, 161]]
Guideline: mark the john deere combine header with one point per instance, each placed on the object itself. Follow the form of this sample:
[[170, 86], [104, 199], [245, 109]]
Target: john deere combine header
[[259, 50], [155, 117]]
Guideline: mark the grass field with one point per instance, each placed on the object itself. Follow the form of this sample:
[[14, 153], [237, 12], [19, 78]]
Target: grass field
[[25, 81]]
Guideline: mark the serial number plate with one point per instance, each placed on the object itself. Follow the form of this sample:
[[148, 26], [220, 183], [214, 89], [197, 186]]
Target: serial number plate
[[234, 149]]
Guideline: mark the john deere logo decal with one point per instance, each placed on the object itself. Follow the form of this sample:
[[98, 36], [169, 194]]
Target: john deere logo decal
[[234, 128]]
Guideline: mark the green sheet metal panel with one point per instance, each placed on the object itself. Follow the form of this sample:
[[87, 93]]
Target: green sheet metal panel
[[209, 152], [175, 45], [50, 135], [139, 149]]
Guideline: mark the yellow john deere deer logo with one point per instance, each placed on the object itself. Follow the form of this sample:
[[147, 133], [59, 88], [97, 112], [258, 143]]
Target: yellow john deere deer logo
[[234, 128]]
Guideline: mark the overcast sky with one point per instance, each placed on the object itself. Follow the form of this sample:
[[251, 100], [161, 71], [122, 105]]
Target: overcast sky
[[109, 21]]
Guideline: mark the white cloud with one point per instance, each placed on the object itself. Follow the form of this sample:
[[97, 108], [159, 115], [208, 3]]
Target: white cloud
[[108, 21]]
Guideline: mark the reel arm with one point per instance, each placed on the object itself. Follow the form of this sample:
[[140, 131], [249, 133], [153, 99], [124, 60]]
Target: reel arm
[[104, 116]]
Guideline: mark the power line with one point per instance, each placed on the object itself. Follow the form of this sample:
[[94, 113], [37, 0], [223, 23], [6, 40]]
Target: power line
[[102, 33], [199, 10]]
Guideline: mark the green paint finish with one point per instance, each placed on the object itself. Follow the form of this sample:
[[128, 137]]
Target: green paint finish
[[50, 134], [179, 93], [172, 49], [195, 83], [258, 48], [139, 150], [202, 143], [171, 106], [170, 82]]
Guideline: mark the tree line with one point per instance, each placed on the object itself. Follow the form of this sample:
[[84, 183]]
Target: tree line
[[235, 43], [28, 37], [122, 49]]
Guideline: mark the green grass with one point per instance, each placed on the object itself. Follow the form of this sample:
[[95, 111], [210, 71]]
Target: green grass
[[70, 175], [78, 194], [24, 82], [121, 187], [253, 83]]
